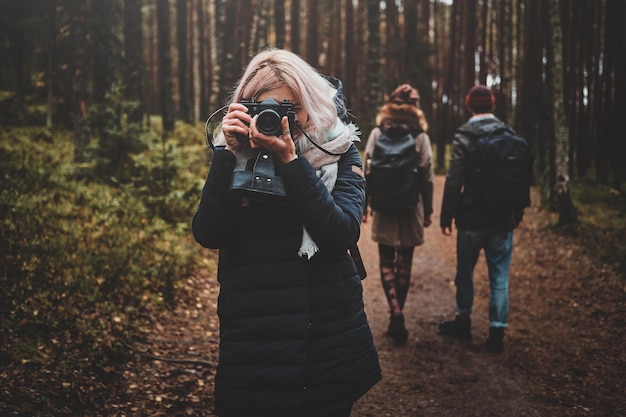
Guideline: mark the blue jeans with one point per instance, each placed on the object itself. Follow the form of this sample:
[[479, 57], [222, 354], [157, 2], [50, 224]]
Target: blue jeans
[[498, 247]]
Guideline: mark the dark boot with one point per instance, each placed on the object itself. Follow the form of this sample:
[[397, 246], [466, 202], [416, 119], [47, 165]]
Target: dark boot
[[495, 342], [396, 329], [460, 328]]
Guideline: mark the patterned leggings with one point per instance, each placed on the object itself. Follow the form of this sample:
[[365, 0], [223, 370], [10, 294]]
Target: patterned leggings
[[395, 274]]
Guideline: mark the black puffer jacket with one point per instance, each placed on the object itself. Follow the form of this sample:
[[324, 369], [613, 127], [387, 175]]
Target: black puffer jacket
[[458, 196], [294, 334]]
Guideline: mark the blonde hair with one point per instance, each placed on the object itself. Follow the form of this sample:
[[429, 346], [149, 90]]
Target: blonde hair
[[273, 68]]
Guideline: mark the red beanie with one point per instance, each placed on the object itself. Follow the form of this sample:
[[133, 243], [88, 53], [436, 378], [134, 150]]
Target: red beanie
[[480, 99]]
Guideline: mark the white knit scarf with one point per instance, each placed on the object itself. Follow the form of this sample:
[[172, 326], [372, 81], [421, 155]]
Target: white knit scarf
[[336, 141]]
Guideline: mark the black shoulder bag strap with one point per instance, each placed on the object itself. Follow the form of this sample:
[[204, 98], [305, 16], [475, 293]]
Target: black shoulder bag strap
[[358, 261]]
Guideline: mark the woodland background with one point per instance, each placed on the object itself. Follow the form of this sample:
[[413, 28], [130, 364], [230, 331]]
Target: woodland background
[[102, 104]]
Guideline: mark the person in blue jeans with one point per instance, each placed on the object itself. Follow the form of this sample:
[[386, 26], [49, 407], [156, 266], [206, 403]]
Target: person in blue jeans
[[478, 228]]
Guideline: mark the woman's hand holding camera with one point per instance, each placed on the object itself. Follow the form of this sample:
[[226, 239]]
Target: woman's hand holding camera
[[282, 147], [235, 126], [238, 124]]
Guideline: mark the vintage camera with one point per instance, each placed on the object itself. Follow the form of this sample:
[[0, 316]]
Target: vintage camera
[[254, 176], [270, 114]]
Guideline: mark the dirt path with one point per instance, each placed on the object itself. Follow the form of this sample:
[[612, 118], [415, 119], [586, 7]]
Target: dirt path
[[432, 375], [564, 351]]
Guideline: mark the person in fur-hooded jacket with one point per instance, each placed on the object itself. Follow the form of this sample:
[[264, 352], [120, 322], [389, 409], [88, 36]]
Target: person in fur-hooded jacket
[[397, 234]]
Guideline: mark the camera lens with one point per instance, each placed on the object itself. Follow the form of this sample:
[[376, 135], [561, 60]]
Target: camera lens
[[269, 122]]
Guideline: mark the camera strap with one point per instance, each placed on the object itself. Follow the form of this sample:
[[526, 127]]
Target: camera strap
[[358, 261], [327, 152], [207, 134]]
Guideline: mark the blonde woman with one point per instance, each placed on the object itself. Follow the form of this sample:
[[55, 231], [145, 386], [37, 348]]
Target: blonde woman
[[294, 337]]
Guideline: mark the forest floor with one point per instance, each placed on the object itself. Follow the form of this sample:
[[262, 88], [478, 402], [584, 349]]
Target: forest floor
[[564, 349]]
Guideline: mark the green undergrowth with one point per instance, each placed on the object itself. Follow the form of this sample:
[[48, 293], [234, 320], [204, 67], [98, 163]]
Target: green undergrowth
[[81, 257], [601, 221]]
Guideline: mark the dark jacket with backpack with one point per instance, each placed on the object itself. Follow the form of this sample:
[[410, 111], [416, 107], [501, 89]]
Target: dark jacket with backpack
[[294, 336], [460, 200]]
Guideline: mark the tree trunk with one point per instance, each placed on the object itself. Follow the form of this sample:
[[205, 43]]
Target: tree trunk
[[215, 27], [112, 145], [204, 56], [335, 62], [504, 71], [616, 10], [411, 37], [361, 92], [258, 40], [350, 66], [18, 28], [468, 75], [134, 65], [279, 22], [225, 42], [104, 48], [153, 99], [483, 41], [50, 58], [79, 83], [530, 116], [312, 33], [295, 26], [373, 61], [250, 32], [567, 213], [393, 47], [603, 146], [424, 17], [447, 121], [184, 82], [165, 64]]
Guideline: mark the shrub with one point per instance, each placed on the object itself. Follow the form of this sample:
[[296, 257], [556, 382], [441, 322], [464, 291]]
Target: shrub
[[80, 257]]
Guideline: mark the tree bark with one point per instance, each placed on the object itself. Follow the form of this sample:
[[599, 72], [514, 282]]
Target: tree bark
[[373, 60], [112, 145], [616, 10], [350, 66], [79, 84], [17, 30], [260, 23], [335, 63], [450, 89], [165, 64], [50, 58], [468, 46], [295, 26], [567, 212], [312, 36], [411, 37], [184, 82], [204, 54], [504, 55], [279, 22], [531, 98], [134, 65], [393, 46]]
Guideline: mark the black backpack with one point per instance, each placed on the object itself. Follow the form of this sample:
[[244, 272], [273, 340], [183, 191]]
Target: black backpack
[[502, 170], [393, 180]]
